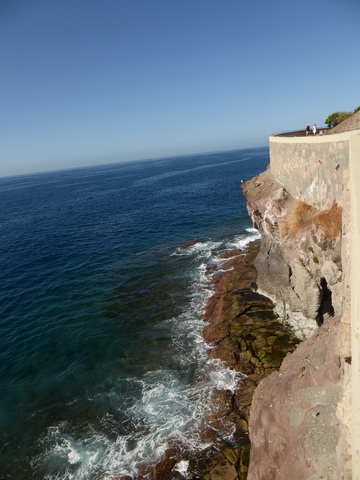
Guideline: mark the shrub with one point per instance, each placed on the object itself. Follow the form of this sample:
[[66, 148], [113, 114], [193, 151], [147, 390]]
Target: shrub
[[338, 117]]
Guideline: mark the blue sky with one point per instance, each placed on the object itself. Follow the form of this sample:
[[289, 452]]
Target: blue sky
[[85, 82]]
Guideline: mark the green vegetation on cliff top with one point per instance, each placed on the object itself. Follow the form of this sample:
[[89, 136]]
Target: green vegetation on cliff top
[[338, 117]]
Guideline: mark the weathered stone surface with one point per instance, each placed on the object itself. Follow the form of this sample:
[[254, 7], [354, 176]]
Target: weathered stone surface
[[163, 470], [299, 262], [294, 428], [296, 415], [312, 170]]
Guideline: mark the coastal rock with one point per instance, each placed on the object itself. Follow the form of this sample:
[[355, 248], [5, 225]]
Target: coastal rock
[[244, 333], [299, 262], [295, 425], [213, 464], [163, 470], [188, 244], [294, 428]]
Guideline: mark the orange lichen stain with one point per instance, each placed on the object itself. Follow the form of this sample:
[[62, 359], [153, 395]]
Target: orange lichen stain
[[330, 220], [303, 215], [296, 219]]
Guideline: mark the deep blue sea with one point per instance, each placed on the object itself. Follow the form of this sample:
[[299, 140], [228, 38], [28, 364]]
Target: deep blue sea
[[102, 360]]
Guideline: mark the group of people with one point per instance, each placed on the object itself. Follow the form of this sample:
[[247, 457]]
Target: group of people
[[309, 130]]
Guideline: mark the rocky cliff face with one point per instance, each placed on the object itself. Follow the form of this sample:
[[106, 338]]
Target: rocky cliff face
[[299, 263], [298, 416]]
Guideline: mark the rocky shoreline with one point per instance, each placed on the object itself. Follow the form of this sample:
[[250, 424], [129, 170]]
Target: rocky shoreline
[[300, 415], [247, 336], [244, 333]]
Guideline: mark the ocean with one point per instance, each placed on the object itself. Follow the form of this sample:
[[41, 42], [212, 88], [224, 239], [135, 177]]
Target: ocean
[[102, 359]]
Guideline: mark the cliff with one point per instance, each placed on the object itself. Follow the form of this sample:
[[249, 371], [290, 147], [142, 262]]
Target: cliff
[[300, 418]]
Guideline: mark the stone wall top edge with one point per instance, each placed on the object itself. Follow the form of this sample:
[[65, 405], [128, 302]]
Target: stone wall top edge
[[336, 137]]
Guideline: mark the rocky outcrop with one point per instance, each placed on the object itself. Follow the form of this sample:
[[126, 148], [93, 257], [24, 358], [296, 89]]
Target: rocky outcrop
[[297, 427], [294, 426], [299, 263], [242, 331]]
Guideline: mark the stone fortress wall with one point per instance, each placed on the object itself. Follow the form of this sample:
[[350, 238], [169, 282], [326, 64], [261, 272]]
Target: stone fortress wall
[[312, 168], [319, 170], [355, 300]]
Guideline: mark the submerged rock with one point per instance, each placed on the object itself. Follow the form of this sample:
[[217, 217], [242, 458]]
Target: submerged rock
[[188, 244]]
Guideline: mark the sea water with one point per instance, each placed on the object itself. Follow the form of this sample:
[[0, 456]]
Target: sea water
[[102, 359]]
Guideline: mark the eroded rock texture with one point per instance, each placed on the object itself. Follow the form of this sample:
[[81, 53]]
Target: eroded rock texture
[[294, 426], [243, 332], [296, 418], [299, 263]]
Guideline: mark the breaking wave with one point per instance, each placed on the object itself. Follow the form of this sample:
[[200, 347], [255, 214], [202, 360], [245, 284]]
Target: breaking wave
[[161, 406]]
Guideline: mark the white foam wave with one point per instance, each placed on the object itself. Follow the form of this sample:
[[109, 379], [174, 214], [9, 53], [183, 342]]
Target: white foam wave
[[252, 230], [200, 249], [241, 241], [182, 467], [168, 409], [169, 403], [224, 378]]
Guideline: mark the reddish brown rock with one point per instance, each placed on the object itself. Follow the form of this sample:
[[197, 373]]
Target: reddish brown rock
[[294, 429], [296, 418], [163, 470], [232, 253], [244, 333], [189, 244]]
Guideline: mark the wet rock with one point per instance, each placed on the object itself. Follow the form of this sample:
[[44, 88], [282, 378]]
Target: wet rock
[[212, 464], [244, 333], [294, 428], [222, 404], [224, 470], [163, 470], [189, 244], [231, 253], [209, 435]]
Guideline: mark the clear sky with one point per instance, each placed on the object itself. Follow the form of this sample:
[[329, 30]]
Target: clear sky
[[85, 82]]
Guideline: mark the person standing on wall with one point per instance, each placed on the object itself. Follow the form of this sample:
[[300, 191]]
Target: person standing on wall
[[314, 129], [307, 129]]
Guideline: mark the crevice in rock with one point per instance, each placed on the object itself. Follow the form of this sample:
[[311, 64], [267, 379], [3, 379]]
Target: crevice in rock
[[326, 307]]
